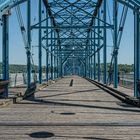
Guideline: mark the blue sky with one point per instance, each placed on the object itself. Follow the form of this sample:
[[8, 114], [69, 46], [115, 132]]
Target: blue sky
[[18, 53]]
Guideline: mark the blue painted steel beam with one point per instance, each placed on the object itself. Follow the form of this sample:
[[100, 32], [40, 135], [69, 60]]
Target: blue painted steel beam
[[115, 15], [5, 51], [137, 55], [91, 58], [47, 53], [47, 66], [61, 67], [6, 5], [132, 4], [69, 38], [29, 43], [104, 42], [94, 56], [57, 59], [51, 55], [40, 42], [54, 58], [98, 54], [73, 27]]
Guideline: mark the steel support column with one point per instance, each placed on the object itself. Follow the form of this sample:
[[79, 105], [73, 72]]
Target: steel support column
[[115, 14], [137, 55], [91, 47], [85, 65], [47, 66], [54, 56], [89, 64], [47, 53], [5, 51], [51, 55], [28, 43], [57, 58], [94, 56], [60, 60], [86, 61], [40, 42], [99, 69], [61, 67], [104, 42]]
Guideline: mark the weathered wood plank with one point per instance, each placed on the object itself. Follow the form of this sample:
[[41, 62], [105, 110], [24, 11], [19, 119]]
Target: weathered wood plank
[[78, 112]]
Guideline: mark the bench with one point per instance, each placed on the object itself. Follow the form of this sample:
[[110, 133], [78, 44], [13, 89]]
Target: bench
[[3, 86]]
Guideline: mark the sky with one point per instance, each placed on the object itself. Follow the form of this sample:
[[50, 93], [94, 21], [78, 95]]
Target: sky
[[17, 49]]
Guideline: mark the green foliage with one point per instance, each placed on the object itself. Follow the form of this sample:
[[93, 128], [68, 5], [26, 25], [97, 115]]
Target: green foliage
[[13, 68], [126, 68], [22, 68]]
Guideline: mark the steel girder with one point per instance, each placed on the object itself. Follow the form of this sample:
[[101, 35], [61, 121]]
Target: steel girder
[[73, 21], [5, 51]]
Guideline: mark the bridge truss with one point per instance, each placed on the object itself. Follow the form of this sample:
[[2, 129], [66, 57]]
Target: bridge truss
[[73, 34]]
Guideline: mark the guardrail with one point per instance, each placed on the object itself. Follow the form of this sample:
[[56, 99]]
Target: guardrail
[[118, 94]]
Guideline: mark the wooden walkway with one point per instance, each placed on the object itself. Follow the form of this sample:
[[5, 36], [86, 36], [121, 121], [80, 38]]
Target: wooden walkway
[[63, 112]]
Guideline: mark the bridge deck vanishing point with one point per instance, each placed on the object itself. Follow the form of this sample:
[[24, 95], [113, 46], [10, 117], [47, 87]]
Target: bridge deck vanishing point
[[70, 110]]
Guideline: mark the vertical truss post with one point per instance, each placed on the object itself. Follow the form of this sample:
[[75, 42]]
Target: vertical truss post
[[51, 54], [91, 46], [85, 64], [73, 67], [115, 14], [40, 42], [49, 64], [47, 67], [61, 65], [98, 47], [60, 61], [28, 43], [104, 42], [89, 65], [47, 54], [88, 57], [94, 56], [88, 60], [57, 59], [55, 56], [137, 55], [5, 51]]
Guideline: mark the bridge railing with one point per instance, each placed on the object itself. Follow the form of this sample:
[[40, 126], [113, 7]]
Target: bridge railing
[[127, 80]]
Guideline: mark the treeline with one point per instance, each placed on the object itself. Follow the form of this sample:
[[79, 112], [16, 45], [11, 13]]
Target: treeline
[[22, 68], [13, 68], [125, 68]]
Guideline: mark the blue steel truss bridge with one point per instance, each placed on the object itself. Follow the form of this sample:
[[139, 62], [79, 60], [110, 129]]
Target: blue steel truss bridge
[[74, 36], [81, 96]]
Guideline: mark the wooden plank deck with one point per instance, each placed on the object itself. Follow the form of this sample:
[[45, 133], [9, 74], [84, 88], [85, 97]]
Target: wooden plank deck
[[64, 112]]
